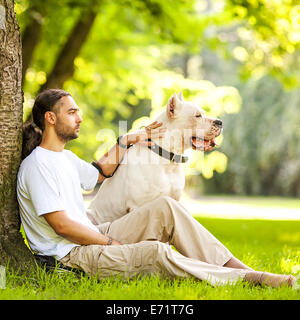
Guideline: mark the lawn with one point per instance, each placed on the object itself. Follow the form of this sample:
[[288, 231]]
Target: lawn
[[264, 245], [272, 246]]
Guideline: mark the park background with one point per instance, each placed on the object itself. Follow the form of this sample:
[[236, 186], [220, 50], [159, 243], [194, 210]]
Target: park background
[[239, 60], [122, 60]]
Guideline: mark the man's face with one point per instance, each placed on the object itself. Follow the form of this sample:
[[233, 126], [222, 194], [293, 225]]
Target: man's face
[[68, 119]]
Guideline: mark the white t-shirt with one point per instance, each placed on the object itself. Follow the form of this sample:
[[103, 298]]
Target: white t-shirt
[[51, 181]]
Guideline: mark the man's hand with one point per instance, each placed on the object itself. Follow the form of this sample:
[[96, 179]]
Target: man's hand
[[152, 131], [111, 159], [116, 243]]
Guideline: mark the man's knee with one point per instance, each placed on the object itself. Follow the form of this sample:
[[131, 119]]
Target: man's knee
[[169, 207], [164, 203], [161, 211]]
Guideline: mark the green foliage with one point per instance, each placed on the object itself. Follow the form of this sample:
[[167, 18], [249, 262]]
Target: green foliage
[[123, 66], [262, 142], [269, 38], [138, 53]]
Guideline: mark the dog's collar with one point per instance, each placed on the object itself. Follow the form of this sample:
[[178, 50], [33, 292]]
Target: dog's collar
[[168, 155]]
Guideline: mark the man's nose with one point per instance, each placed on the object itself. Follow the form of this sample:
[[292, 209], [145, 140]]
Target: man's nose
[[218, 123]]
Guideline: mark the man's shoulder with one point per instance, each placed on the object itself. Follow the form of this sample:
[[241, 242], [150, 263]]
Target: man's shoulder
[[29, 161], [27, 168], [36, 160], [69, 153], [72, 156]]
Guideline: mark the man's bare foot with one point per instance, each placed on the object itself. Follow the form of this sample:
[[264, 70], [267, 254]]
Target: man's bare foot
[[270, 279]]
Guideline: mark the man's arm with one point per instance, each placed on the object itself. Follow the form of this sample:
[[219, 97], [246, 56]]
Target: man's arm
[[112, 158], [109, 161], [75, 231]]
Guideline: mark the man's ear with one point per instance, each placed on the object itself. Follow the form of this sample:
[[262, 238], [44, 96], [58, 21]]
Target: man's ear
[[50, 117], [173, 106]]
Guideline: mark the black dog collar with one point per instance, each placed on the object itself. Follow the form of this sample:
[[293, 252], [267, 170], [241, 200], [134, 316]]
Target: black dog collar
[[168, 155]]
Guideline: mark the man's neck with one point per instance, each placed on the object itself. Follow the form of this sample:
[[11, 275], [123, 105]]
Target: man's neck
[[52, 143]]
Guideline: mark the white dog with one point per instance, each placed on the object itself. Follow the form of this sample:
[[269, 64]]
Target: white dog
[[147, 173]]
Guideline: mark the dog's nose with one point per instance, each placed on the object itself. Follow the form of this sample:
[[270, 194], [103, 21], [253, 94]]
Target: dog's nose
[[218, 122]]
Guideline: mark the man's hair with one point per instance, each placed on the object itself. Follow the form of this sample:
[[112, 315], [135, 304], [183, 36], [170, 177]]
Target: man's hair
[[32, 131]]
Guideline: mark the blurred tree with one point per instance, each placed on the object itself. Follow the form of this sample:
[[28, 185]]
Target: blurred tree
[[268, 33], [51, 15], [31, 36], [121, 54], [255, 44], [64, 64], [266, 134], [33, 16], [133, 54]]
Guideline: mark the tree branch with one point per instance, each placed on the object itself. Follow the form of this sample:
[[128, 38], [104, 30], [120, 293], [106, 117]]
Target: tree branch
[[64, 66]]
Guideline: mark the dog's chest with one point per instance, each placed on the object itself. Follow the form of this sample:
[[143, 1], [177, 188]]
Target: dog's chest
[[155, 180], [176, 181], [146, 174]]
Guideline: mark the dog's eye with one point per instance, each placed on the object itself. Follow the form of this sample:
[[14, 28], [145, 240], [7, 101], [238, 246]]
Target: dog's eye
[[198, 116]]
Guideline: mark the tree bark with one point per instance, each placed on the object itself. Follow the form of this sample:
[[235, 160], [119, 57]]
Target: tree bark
[[12, 246], [64, 66]]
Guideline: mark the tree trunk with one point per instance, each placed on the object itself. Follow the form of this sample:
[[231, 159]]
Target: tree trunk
[[64, 66], [12, 246]]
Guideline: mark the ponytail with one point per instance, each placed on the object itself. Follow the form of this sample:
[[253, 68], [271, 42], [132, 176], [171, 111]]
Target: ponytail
[[32, 137]]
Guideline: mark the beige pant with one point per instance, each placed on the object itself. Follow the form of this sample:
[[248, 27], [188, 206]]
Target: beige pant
[[146, 235]]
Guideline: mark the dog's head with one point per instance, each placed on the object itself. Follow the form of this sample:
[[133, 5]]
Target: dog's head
[[188, 126]]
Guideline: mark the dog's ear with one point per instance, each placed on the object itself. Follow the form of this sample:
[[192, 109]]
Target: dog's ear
[[173, 106], [180, 96]]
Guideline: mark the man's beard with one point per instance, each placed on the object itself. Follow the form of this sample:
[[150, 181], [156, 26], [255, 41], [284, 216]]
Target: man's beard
[[65, 133]]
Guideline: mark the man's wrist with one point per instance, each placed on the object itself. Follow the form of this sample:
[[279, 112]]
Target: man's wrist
[[110, 241], [122, 141]]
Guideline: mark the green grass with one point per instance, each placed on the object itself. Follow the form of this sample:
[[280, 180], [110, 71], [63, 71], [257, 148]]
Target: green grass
[[255, 201], [272, 246]]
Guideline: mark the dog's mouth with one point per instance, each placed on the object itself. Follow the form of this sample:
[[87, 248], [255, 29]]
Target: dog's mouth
[[202, 143]]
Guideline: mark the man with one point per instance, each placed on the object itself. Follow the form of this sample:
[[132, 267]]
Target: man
[[55, 223]]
